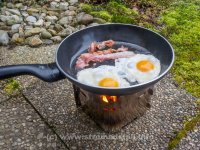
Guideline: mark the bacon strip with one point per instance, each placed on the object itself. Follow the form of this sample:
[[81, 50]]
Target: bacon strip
[[86, 58], [99, 46], [110, 50]]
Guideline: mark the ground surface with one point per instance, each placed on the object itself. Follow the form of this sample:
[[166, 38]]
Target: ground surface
[[44, 115]]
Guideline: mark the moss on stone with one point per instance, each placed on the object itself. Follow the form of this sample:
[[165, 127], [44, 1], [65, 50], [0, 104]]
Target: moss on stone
[[122, 19], [12, 86], [111, 12], [86, 7], [119, 8], [102, 14], [188, 126]]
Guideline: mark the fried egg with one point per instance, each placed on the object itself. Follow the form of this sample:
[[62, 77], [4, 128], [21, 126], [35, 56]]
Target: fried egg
[[140, 67], [102, 76]]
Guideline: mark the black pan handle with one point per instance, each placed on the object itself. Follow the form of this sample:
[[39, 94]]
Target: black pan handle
[[45, 72]]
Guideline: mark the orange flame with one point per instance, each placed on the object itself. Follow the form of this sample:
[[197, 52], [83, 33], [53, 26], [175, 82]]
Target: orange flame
[[108, 99]]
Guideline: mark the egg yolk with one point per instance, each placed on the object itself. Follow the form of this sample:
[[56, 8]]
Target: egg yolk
[[108, 82], [145, 66]]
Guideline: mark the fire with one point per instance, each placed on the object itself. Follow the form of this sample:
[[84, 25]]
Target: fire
[[108, 99]]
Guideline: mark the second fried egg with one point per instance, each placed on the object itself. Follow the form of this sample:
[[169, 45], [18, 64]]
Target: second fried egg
[[140, 67]]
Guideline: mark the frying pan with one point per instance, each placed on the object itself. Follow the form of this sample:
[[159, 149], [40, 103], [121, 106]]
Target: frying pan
[[75, 44]]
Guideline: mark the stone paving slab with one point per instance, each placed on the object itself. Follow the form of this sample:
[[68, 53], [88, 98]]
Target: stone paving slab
[[27, 55], [21, 128], [152, 131], [56, 104]]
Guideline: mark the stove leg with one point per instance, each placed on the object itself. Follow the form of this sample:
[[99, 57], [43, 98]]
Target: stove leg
[[76, 96]]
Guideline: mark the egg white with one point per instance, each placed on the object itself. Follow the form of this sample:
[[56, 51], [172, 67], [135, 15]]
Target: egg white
[[92, 76], [129, 66]]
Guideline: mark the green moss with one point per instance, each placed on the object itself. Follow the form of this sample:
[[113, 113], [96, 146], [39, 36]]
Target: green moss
[[118, 8], [102, 14], [122, 19], [111, 12], [11, 86], [86, 7], [188, 126], [182, 27]]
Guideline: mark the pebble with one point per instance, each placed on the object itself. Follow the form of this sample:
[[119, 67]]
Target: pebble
[[19, 5], [36, 15], [4, 38], [17, 39], [56, 39], [47, 41], [31, 19], [42, 16], [47, 24], [15, 28], [51, 27], [64, 5], [3, 18], [58, 27], [72, 8], [14, 11], [35, 41], [39, 23], [28, 27], [84, 18], [33, 31], [54, 5], [14, 19], [72, 2], [65, 32], [64, 20], [53, 13], [45, 34], [52, 19], [53, 32], [10, 5], [25, 14], [24, 8], [32, 10], [72, 13], [6, 13]]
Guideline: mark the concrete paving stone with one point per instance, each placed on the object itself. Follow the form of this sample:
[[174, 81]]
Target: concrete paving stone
[[22, 128], [27, 55], [170, 105], [3, 95]]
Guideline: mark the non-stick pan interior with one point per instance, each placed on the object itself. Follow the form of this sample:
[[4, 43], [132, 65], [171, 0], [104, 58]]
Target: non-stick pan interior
[[77, 43]]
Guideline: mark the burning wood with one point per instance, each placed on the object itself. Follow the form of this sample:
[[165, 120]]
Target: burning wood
[[114, 112], [108, 99]]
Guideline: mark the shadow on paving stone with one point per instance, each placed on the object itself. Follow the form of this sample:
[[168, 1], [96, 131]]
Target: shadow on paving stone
[[22, 128], [56, 103]]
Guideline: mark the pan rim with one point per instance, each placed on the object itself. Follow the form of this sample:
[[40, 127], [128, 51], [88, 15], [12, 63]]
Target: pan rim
[[117, 89]]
